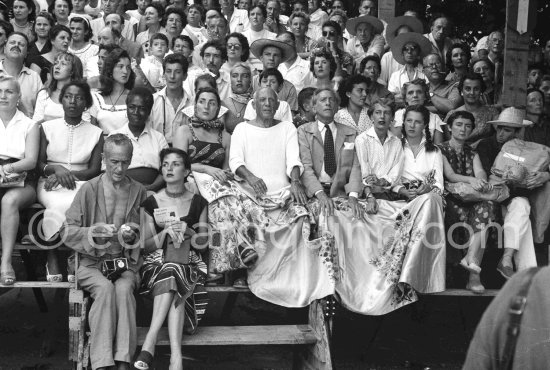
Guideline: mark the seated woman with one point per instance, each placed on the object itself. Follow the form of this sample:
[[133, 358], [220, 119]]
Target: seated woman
[[173, 272], [416, 92], [370, 68], [457, 60], [202, 81], [352, 98], [66, 68], [404, 255], [60, 37], [241, 93], [18, 154], [270, 77], [147, 143], [323, 66], [492, 92], [462, 164], [70, 155], [117, 79]]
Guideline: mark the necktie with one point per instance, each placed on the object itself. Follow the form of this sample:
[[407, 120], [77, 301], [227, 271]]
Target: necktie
[[330, 157]]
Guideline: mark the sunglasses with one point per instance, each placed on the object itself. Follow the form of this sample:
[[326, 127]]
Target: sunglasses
[[328, 33]]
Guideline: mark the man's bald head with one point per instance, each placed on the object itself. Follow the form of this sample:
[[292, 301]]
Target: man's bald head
[[108, 36], [266, 103]]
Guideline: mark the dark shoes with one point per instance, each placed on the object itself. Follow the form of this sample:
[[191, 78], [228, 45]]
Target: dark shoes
[[506, 271]]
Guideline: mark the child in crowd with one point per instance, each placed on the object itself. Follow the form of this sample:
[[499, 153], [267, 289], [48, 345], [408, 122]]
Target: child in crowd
[[305, 106], [151, 65]]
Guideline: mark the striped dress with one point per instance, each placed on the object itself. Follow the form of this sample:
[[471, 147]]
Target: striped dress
[[185, 280]]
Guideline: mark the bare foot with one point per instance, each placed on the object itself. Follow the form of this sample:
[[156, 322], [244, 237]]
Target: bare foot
[[176, 363]]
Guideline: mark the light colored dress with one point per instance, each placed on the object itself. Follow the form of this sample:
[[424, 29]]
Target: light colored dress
[[109, 117], [344, 117], [86, 55], [70, 147]]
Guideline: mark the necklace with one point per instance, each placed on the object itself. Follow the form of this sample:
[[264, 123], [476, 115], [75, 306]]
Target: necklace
[[178, 194], [238, 112], [116, 101]]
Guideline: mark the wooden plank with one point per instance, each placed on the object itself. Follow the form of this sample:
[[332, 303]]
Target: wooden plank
[[224, 289], [516, 52], [465, 293], [386, 9], [240, 335], [39, 284]]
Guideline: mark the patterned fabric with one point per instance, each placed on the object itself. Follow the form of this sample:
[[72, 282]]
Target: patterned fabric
[[344, 117], [204, 152], [476, 215]]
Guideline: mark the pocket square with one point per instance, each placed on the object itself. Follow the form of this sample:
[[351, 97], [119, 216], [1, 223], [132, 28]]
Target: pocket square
[[349, 146]]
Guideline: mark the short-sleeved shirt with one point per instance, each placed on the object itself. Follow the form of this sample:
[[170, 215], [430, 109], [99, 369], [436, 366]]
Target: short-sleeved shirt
[[163, 115], [13, 136], [298, 74], [146, 147], [448, 90]]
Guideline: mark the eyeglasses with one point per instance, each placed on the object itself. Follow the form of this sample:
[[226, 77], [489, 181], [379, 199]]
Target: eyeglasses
[[433, 65], [234, 46], [328, 33], [410, 49]]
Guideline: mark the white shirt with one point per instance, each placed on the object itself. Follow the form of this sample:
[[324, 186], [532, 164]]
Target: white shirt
[[384, 160], [421, 166], [152, 69], [269, 153], [401, 77], [298, 74], [134, 14], [13, 136], [356, 50], [283, 113], [162, 118], [86, 56], [146, 147], [239, 21], [435, 121], [388, 66], [252, 36], [224, 83]]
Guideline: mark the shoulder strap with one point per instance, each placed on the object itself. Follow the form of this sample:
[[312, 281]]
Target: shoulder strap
[[515, 311], [220, 136], [192, 132]]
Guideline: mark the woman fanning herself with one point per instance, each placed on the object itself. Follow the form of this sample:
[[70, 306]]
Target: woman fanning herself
[[18, 154], [173, 272], [60, 37], [462, 164], [66, 68], [70, 155]]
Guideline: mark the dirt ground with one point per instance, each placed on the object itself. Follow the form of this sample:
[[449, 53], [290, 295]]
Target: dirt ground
[[433, 333]]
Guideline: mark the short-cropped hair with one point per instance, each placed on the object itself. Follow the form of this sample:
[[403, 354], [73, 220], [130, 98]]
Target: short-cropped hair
[[118, 140], [176, 58], [317, 92], [461, 114]]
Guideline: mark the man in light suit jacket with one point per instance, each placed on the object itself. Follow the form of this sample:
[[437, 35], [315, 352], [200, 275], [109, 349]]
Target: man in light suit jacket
[[331, 168]]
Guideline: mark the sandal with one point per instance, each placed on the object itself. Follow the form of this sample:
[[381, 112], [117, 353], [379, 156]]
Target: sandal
[[505, 271], [240, 283], [143, 361], [55, 278], [7, 277]]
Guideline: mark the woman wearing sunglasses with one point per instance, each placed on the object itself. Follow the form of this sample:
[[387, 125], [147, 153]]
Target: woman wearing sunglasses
[[333, 41]]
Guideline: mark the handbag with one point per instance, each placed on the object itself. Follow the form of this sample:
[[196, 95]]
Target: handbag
[[466, 193]]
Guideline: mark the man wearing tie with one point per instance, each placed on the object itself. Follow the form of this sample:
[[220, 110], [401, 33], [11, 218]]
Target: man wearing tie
[[331, 168]]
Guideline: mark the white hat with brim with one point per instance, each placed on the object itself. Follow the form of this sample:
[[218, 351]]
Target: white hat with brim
[[410, 37], [405, 20], [376, 24], [258, 47], [511, 117]]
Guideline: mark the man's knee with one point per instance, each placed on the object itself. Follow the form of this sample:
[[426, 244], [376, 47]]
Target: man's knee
[[103, 289], [126, 284], [519, 205]]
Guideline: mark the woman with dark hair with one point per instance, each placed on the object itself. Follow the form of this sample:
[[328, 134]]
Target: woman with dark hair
[[173, 273], [24, 14], [353, 94], [332, 41], [462, 164], [323, 66], [117, 79], [238, 51], [486, 69], [5, 29], [60, 9], [66, 68], [60, 37], [370, 68], [81, 45], [42, 44], [70, 155], [174, 22], [471, 87], [458, 61], [154, 14]]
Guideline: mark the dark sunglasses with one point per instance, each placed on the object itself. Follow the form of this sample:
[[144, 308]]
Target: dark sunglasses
[[328, 33]]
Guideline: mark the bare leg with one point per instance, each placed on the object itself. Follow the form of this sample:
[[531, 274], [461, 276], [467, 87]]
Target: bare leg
[[13, 200], [475, 255], [507, 257], [176, 318], [161, 305], [52, 264]]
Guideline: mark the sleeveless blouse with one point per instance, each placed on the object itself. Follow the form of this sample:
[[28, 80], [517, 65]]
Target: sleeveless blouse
[[204, 152]]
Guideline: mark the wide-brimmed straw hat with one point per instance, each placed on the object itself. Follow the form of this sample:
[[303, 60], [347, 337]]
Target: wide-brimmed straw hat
[[376, 24], [405, 20], [511, 117], [410, 37], [258, 47]]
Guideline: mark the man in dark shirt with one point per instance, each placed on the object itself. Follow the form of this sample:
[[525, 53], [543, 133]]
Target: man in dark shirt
[[518, 235]]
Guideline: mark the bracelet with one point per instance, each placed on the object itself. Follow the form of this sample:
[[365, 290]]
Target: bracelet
[[44, 169]]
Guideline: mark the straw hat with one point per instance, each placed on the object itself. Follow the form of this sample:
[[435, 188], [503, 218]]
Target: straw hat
[[511, 117], [258, 47], [412, 22], [376, 24], [410, 37]]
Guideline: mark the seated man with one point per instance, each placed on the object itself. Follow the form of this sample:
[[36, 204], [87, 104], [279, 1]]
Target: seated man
[[102, 225], [330, 167], [517, 232], [444, 95]]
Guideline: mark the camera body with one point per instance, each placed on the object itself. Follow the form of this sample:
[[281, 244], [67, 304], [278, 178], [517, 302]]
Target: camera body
[[112, 269]]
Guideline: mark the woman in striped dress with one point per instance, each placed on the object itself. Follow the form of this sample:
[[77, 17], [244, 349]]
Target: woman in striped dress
[[174, 231]]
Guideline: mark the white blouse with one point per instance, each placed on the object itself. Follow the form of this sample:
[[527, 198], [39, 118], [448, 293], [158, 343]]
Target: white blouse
[[269, 153], [13, 136], [109, 117], [424, 165]]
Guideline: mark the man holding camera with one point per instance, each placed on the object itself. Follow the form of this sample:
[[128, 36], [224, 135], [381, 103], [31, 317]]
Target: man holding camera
[[102, 225]]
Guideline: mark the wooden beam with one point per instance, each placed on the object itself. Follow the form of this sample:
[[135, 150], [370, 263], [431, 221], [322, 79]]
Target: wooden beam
[[386, 9], [516, 53]]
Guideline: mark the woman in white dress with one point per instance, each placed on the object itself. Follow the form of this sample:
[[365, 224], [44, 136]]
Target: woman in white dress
[[117, 79], [70, 154], [400, 250], [19, 139], [66, 67]]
